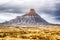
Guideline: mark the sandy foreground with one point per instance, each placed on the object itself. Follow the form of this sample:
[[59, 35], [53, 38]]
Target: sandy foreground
[[30, 33]]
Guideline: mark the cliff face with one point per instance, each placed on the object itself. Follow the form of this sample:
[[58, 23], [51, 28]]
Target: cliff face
[[30, 18]]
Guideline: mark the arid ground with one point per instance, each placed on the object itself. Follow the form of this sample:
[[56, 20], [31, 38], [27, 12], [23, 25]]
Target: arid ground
[[30, 33]]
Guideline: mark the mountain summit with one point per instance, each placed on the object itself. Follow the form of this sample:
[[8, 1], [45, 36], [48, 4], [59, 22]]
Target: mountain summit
[[30, 12], [30, 18]]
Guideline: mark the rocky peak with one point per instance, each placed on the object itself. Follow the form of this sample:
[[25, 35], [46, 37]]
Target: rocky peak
[[30, 12]]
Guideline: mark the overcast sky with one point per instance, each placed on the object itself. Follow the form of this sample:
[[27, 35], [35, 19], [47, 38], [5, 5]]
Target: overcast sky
[[47, 9]]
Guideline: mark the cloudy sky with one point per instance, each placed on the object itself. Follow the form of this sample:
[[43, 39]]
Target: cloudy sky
[[47, 9]]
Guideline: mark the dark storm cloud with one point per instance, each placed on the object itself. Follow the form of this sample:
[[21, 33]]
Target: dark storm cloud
[[55, 11], [11, 9]]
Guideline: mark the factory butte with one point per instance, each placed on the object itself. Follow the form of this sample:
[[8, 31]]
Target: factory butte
[[30, 18]]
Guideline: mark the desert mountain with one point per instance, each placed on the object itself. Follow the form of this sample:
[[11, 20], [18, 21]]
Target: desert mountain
[[30, 18]]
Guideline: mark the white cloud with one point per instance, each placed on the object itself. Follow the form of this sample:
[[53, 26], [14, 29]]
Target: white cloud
[[3, 1], [8, 16], [47, 17], [29, 3]]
